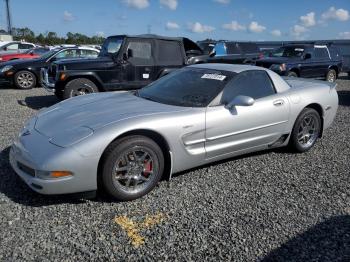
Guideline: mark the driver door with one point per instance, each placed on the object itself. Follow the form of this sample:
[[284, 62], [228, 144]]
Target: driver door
[[139, 69], [244, 127]]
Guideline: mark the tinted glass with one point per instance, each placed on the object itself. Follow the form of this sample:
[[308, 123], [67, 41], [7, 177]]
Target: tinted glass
[[37, 51], [288, 51], [321, 53], [66, 54], [188, 87], [255, 84], [249, 48], [141, 50], [169, 53], [88, 53], [207, 47], [25, 46], [233, 48]]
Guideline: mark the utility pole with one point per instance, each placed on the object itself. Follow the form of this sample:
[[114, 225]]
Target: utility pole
[[8, 13]]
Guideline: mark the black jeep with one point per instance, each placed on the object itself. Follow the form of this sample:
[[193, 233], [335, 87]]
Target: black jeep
[[124, 63], [304, 60]]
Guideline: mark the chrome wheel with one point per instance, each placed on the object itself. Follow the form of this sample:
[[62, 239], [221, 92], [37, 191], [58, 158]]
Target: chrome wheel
[[25, 80], [80, 91], [331, 76], [133, 169], [308, 131]]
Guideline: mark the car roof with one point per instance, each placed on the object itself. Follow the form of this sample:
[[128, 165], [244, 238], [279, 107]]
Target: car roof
[[75, 47], [152, 36], [236, 68]]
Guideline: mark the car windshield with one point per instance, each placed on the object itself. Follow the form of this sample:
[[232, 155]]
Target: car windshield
[[111, 46], [49, 54], [288, 51], [188, 87]]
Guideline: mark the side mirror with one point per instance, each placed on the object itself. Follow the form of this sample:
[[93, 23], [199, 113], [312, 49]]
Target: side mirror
[[307, 56], [240, 101], [130, 53], [212, 53], [5, 48]]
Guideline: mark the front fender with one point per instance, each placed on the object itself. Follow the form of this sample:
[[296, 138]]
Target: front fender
[[70, 75]]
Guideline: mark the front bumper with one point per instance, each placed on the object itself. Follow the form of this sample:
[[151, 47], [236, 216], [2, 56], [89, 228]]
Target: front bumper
[[47, 82], [34, 153]]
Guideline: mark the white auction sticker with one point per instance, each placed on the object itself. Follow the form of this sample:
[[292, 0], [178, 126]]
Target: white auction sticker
[[145, 76], [214, 77]]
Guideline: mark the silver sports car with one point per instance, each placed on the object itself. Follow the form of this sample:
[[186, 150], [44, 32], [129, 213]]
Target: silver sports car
[[124, 142]]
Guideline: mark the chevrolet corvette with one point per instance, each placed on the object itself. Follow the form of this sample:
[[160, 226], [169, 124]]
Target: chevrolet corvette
[[125, 142]]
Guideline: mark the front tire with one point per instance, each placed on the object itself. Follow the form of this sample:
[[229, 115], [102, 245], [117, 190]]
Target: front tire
[[306, 130], [78, 87], [292, 74], [132, 167], [331, 75], [25, 80]]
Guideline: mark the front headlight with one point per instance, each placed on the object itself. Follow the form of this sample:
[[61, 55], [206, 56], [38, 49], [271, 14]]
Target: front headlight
[[6, 68]]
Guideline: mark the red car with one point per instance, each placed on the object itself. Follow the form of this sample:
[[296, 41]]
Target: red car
[[29, 54]]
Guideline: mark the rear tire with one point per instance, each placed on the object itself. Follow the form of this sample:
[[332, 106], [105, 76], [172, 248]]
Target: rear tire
[[132, 167], [25, 80], [331, 75], [292, 74], [79, 86], [306, 130]]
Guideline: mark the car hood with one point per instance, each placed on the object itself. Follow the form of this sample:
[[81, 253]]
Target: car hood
[[23, 63], [85, 63], [96, 111]]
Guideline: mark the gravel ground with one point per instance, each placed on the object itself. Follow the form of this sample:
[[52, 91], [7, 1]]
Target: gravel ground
[[273, 206]]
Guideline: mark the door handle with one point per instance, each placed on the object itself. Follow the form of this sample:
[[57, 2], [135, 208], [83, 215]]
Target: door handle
[[278, 102]]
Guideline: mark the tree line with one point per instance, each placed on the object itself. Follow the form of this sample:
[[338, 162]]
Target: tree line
[[51, 38]]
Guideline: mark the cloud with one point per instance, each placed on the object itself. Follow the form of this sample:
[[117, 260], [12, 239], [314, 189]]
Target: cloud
[[199, 28], [345, 35], [138, 4], [233, 26], [308, 20], [276, 32], [171, 4], [336, 14], [67, 16], [298, 31], [225, 2], [171, 26], [254, 27]]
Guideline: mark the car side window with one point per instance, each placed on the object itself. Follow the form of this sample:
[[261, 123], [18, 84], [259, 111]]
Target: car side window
[[252, 83], [12, 47], [25, 46], [70, 53], [142, 50], [88, 53], [321, 52]]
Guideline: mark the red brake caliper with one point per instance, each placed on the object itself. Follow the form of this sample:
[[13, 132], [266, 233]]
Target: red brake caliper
[[148, 167]]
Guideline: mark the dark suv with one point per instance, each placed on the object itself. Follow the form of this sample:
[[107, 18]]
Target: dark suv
[[305, 60], [125, 63], [235, 52]]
